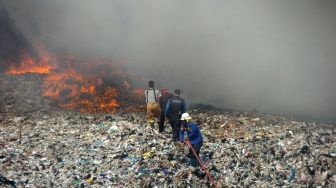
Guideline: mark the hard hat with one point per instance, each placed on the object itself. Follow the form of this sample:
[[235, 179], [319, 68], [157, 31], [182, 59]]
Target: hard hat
[[185, 116]]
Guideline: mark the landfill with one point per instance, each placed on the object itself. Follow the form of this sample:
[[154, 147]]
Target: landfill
[[43, 146], [241, 149]]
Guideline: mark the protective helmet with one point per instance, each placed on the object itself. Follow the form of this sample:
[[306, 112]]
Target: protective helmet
[[185, 116]]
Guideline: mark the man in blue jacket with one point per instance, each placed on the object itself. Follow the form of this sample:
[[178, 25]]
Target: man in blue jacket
[[194, 135], [175, 107]]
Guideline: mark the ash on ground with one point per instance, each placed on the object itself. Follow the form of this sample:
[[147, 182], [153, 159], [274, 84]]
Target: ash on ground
[[56, 148]]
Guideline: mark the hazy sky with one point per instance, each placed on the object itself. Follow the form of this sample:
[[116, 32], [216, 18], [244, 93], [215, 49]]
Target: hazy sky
[[270, 55]]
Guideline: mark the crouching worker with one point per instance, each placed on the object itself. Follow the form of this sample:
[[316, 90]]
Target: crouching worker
[[194, 136]]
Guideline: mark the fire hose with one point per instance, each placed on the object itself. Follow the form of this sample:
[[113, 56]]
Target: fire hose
[[201, 163]]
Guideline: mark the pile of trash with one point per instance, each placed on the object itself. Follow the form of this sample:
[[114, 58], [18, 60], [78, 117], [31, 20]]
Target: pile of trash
[[66, 149], [22, 95]]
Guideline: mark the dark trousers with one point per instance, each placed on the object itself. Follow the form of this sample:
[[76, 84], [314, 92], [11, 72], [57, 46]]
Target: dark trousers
[[175, 122], [197, 148], [161, 123]]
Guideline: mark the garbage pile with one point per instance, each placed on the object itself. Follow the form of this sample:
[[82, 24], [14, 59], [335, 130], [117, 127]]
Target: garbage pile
[[68, 149], [22, 95]]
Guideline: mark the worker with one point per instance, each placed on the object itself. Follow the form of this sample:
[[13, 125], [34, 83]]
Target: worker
[[163, 100], [153, 107], [175, 108], [194, 135]]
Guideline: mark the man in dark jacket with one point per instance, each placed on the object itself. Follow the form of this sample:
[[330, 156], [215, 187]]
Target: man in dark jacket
[[175, 108], [163, 100]]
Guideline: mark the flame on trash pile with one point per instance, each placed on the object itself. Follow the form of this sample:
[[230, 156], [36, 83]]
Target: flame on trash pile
[[89, 85]]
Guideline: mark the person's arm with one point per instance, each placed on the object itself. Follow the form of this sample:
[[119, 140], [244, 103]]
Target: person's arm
[[158, 95], [167, 108], [146, 93], [192, 131]]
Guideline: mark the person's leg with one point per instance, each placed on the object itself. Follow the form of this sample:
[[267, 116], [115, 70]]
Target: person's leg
[[197, 147], [150, 114], [161, 123], [175, 129], [171, 123], [178, 128], [190, 153], [191, 158], [157, 112]]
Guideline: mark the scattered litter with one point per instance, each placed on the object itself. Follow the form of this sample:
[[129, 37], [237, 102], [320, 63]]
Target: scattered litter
[[240, 149]]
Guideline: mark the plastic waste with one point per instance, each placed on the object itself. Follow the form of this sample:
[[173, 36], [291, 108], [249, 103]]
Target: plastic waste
[[5, 181], [292, 175], [237, 152], [148, 154], [101, 125], [113, 127], [90, 179]]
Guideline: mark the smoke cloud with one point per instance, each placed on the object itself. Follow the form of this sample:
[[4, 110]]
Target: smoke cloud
[[272, 56]]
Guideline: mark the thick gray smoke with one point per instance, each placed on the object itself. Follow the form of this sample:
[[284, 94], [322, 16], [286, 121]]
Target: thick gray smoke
[[269, 55]]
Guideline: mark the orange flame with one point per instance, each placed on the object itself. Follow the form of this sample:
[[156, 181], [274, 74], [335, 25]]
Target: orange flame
[[30, 65], [78, 84], [76, 91]]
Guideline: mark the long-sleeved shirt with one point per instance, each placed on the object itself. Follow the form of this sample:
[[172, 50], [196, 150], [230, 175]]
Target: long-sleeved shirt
[[175, 107], [193, 133]]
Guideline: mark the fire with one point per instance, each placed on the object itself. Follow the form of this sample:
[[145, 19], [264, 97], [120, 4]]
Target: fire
[[86, 85], [41, 63], [30, 65]]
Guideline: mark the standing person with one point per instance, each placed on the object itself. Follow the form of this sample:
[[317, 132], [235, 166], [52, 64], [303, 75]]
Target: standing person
[[153, 108], [163, 100], [175, 107], [194, 135]]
